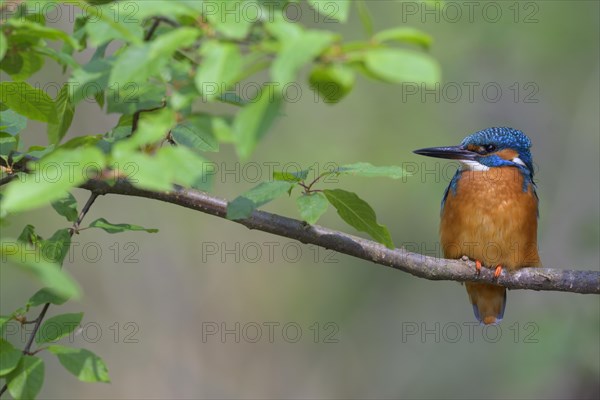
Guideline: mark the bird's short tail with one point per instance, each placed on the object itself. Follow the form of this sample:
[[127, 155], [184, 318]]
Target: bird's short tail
[[488, 301]]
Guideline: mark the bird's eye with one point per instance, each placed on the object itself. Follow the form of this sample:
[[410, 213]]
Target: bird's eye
[[489, 148]]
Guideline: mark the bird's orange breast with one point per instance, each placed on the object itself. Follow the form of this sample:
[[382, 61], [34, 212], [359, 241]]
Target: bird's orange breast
[[489, 217]]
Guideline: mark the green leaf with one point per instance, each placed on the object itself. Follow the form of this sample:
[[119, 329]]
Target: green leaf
[[40, 151], [33, 261], [8, 144], [64, 59], [332, 10], [122, 130], [358, 214], [255, 119], [67, 207], [332, 82], [100, 98], [54, 174], [196, 132], [280, 28], [3, 45], [117, 228], [13, 63], [100, 32], [169, 9], [137, 64], [90, 80], [168, 42], [221, 129], [297, 52], [41, 31], [221, 66], [25, 381], [4, 319], [4, 327], [401, 65], [28, 101], [55, 248], [29, 236], [368, 170], [65, 111], [22, 65], [44, 296], [404, 35], [152, 127], [242, 206], [11, 122], [365, 17], [58, 327], [113, 21], [169, 165], [233, 99], [81, 141], [312, 206], [185, 166], [143, 171], [78, 34], [9, 357], [132, 97], [229, 18], [82, 363], [291, 176], [133, 67]]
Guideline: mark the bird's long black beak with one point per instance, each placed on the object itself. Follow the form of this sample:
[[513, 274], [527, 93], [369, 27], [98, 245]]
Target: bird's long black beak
[[449, 152]]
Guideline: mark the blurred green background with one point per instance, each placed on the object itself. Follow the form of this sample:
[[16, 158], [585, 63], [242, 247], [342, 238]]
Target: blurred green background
[[390, 335]]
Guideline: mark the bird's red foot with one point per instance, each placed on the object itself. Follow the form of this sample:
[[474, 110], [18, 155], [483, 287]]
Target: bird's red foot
[[498, 271], [477, 267]]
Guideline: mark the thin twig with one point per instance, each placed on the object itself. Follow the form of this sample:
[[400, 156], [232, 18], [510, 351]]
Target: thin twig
[[152, 29], [314, 181], [27, 348], [36, 327], [156, 21], [7, 179], [84, 211], [136, 116]]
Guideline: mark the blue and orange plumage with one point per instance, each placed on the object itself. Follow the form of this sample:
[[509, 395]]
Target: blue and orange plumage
[[489, 210]]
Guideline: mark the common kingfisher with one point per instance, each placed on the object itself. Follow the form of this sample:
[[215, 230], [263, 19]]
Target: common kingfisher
[[490, 211]]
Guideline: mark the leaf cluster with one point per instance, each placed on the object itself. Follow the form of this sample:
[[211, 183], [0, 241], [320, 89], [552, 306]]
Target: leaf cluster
[[313, 202], [163, 67]]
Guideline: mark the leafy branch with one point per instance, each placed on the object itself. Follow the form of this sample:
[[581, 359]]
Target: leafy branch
[[313, 203], [17, 363], [546, 279]]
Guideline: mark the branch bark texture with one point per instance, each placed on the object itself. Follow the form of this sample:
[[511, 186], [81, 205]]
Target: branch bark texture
[[584, 282]]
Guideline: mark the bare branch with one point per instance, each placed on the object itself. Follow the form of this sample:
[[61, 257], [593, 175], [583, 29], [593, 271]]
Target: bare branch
[[431, 268]]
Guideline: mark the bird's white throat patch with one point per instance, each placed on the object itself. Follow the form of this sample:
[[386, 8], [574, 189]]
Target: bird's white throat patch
[[517, 160], [472, 165]]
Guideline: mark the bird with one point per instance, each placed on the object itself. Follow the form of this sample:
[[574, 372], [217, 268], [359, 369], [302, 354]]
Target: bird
[[489, 211]]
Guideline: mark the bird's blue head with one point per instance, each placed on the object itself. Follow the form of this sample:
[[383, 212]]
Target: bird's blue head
[[489, 148]]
